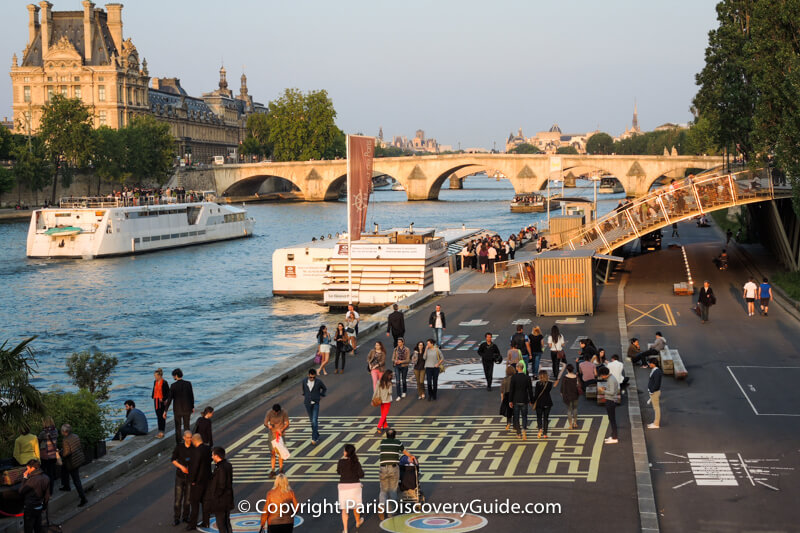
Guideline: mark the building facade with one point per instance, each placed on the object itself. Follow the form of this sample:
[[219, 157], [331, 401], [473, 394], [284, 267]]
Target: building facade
[[83, 55], [549, 141]]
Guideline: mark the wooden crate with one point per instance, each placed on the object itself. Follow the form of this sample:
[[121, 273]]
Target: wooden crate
[[683, 289], [591, 392], [12, 476]]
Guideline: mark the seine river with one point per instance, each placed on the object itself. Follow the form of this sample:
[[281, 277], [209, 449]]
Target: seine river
[[206, 309]]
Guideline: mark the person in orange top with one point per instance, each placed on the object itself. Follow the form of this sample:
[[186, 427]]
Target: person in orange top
[[278, 513], [159, 396]]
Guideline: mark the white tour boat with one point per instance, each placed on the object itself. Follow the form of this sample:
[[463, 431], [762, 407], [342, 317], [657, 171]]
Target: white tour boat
[[101, 227]]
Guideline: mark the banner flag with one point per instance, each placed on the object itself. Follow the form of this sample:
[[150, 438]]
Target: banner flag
[[360, 151]]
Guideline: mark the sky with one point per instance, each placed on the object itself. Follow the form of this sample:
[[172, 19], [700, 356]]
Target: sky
[[466, 72]]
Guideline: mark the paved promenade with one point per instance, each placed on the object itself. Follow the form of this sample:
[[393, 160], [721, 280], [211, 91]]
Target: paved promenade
[[725, 458]]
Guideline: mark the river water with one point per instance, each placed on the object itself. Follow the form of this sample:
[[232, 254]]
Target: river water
[[207, 309]]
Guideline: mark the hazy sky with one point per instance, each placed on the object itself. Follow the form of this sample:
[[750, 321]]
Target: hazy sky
[[464, 71]]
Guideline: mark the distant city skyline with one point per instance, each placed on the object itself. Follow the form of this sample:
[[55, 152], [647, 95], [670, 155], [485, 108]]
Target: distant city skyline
[[465, 72]]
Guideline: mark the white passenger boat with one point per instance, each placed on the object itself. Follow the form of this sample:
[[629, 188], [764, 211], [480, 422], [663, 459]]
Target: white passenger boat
[[387, 265], [101, 227]]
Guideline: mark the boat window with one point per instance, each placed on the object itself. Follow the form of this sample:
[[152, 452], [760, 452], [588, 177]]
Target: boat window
[[174, 236], [184, 234], [192, 214], [164, 237], [136, 240], [192, 233], [201, 232], [145, 239], [290, 257]]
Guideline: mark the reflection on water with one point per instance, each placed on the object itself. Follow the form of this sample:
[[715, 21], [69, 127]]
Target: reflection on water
[[207, 309]]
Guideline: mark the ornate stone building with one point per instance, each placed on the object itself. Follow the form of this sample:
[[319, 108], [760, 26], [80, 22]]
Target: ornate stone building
[[82, 54]]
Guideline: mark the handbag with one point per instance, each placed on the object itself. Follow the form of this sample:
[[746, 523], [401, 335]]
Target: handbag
[[376, 399], [350, 331], [561, 354], [59, 462], [347, 347], [278, 445], [540, 395], [441, 361], [318, 358]]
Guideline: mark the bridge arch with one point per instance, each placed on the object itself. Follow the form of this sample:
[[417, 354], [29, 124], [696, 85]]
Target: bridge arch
[[252, 185]]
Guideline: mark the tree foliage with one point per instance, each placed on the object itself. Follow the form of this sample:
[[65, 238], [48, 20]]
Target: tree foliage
[[32, 168], [600, 144], [150, 150], [257, 140], [90, 420], [92, 371], [110, 156], [302, 127], [525, 148], [391, 151], [19, 399], [567, 150], [66, 129]]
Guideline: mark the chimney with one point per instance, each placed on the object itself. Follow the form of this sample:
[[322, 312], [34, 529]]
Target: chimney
[[115, 24], [33, 22], [88, 23], [47, 18]]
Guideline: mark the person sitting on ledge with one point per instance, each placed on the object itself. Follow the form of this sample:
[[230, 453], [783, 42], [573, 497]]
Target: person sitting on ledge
[[135, 422]]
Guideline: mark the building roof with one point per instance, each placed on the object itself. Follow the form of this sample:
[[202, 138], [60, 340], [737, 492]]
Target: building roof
[[69, 24], [554, 129]]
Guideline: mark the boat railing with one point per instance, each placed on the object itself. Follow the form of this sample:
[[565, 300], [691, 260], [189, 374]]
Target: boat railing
[[126, 201], [678, 201]]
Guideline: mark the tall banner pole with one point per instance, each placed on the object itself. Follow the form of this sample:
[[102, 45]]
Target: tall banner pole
[[349, 230]]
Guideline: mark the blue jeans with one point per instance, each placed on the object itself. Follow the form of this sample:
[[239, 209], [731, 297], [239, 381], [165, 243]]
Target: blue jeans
[[313, 415], [401, 372], [389, 480], [437, 332], [520, 409], [536, 357], [432, 377]]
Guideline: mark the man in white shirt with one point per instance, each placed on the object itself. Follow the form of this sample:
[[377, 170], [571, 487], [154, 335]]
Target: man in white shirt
[[749, 294], [617, 369]]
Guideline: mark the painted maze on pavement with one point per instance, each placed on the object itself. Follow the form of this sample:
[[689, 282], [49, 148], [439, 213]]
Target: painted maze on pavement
[[451, 449]]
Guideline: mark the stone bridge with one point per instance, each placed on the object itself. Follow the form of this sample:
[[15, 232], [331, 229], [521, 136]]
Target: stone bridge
[[423, 176]]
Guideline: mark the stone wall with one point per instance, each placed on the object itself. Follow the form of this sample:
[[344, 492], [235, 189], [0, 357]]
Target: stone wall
[[82, 185]]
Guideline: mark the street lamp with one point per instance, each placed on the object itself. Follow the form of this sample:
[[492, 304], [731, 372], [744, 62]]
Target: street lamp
[[595, 178]]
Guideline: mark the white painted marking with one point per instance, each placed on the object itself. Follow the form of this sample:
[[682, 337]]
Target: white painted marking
[[682, 484], [570, 320], [746, 471], [676, 455], [521, 321], [743, 392], [712, 470], [768, 486], [752, 388], [474, 322]]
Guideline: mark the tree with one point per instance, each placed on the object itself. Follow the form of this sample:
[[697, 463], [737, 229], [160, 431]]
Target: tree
[[567, 150], [600, 144], [31, 164], [150, 148], [19, 398], [525, 148], [7, 180], [92, 371], [391, 151], [302, 127], [66, 129], [6, 144], [110, 156], [257, 140]]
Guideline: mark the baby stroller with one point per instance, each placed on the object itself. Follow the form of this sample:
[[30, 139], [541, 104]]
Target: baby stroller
[[409, 488]]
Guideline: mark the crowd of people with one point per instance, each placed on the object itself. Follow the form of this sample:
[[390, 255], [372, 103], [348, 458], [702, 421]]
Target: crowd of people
[[482, 254], [132, 196]]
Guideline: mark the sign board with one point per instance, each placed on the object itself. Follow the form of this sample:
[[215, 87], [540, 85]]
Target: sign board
[[304, 271], [441, 279], [383, 251], [555, 164]]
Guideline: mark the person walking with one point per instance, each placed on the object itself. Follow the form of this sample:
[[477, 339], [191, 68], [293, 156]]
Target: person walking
[[765, 290], [383, 394], [351, 319], [277, 422], [438, 323], [135, 422], [203, 426], [198, 477], [483, 257], [396, 325], [390, 451], [705, 300], [491, 256], [749, 292], [520, 394], [48, 450], [34, 491], [182, 396], [556, 342], [523, 344], [433, 361], [654, 389], [401, 357], [490, 356], [675, 230], [535, 338], [419, 369], [26, 446], [159, 395], [324, 349], [543, 403], [570, 392], [514, 356], [181, 457], [350, 490], [611, 392], [219, 494], [73, 458], [313, 391], [376, 362], [342, 341], [506, 407], [278, 504]]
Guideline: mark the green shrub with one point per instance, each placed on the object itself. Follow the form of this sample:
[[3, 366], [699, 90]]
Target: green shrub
[[19, 400], [88, 418], [92, 371]]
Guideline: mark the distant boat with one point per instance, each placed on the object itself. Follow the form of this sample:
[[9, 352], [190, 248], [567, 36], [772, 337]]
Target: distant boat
[[531, 203], [398, 187], [609, 185]]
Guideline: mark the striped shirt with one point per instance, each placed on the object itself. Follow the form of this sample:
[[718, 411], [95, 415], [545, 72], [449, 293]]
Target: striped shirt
[[390, 452]]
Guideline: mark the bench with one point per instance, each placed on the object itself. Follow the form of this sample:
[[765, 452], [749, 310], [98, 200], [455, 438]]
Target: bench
[[650, 347], [683, 289], [680, 371], [667, 358]]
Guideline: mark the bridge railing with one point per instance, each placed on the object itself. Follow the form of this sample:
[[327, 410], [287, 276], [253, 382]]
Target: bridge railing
[[678, 201]]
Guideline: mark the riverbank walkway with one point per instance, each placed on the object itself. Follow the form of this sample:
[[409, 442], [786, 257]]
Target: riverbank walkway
[[725, 458]]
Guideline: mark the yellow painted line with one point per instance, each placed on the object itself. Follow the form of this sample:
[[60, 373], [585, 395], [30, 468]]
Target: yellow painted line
[[594, 465]]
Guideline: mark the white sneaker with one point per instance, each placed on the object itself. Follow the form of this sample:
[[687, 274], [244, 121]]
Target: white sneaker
[[404, 395], [610, 440], [652, 426], [398, 399]]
